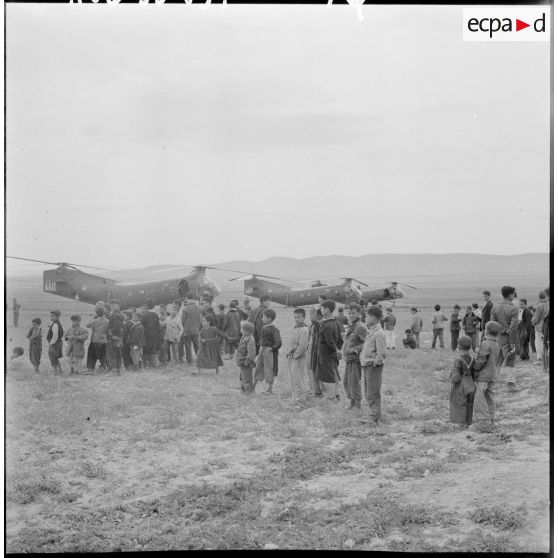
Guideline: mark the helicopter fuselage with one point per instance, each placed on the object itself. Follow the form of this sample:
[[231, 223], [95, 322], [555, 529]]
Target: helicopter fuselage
[[287, 296], [89, 288]]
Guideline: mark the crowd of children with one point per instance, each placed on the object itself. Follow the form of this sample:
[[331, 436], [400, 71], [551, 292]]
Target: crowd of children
[[359, 334]]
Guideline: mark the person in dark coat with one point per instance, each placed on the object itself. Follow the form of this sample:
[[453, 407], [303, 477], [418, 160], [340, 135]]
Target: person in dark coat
[[354, 339], [35, 336], [245, 310], [455, 326], [231, 327], [267, 362], [329, 350], [126, 357], [256, 318], [462, 393], [486, 311], [152, 331], [210, 339], [524, 330], [136, 341], [54, 337], [316, 387]]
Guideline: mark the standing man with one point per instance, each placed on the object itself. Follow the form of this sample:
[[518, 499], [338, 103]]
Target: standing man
[[541, 311], [191, 322], [416, 325], [505, 313], [329, 351], [524, 329], [115, 337], [486, 311], [256, 317], [438, 319], [16, 309]]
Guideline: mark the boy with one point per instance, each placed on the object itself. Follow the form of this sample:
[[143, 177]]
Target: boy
[[173, 333], [438, 319], [372, 357], [486, 311], [219, 321], [455, 326], [505, 313], [151, 329], [389, 328], [267, 364], [55, 334], [35, 336], [76, 337], [341, 318], [191, 322], [231, 327], [330, 342], [416, 325], [486, 373], [126, 356], [356, 334], [296, 358], [246, 357], [462, 386], [470, 323], [97, 350], [256, 317], [136, 341], [410, 341], [524, 329], [114, 337]]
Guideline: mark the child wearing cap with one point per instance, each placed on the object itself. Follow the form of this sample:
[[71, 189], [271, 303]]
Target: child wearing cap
[[462, 385], [486, 373], [76, 337], [35, 336], [455, 326]]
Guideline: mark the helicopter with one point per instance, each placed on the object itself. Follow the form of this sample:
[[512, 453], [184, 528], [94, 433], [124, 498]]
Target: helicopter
[[348, 291], [68, 281]]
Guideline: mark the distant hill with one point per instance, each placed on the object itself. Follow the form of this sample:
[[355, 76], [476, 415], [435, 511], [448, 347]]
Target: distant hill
[[386, 266]]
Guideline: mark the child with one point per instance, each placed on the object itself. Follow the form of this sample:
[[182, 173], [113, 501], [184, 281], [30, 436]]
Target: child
[[219, 323], [296, 358], [114, 337], [246, 357], [162, 347], [97, 349], [210, 339], [231, 327], [136, 341], [356, 334], [455, 326], [462, 385], [55, 334], [485, 374], [76, 337], [173, 333], [410, 341], [126, 356], [389, 328], [267, 364], [416, 325], [372, 358], [470, 323], [35, 336], [341, 318], [438, 319], [17, 363]]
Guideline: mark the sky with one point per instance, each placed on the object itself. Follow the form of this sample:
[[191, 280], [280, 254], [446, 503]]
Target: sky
[[148, 135]]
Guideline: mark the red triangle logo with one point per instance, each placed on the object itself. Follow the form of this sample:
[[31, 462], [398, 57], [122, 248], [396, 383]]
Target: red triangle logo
[[519, 25]]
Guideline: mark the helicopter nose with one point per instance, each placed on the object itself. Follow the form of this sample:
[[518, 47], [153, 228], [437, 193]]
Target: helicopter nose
[[400, 293]]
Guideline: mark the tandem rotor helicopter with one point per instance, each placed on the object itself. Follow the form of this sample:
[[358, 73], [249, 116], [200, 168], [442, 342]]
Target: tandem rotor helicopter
[[68, 281]]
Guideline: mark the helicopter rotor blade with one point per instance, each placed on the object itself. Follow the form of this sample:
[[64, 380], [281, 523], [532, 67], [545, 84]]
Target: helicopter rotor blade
[[238, 271], [411, 286], [68, 264], [355, 280]]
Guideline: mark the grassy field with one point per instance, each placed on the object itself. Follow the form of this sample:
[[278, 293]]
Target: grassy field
[[158, 460]]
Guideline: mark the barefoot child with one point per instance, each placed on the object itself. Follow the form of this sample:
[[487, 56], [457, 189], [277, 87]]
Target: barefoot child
[[246, 357], [76, 337], [485, 374], [267, 364], [210, 339], [35, 336], [462, 385], [296, 358]]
